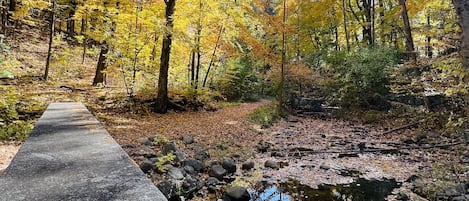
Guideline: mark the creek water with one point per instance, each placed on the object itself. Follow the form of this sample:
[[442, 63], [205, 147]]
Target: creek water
[[360, 190]]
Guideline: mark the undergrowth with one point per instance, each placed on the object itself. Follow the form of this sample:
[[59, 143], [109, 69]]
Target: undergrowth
[[266, 115]]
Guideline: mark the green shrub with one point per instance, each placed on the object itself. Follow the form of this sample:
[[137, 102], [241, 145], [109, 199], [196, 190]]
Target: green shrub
[[266, 115], [241, 82], [169, 158], [360, 79], [11, 128]]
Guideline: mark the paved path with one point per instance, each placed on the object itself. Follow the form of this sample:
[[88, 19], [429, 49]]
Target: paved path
[[70, 156]]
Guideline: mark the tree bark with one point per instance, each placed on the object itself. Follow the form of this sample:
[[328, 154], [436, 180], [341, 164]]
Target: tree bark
[[51, 37], [99, 77], [347, 37], [462, 10], [409, 42], [162, 97], [281, 99], [70, 20], [11, 9], [213, 55], [429, 48]]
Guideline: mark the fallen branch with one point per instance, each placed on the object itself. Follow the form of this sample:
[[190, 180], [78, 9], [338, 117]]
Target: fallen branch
[[354, 153], [401, 128]]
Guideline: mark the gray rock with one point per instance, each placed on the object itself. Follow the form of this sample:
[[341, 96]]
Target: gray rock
[[212, 181], [196, 164], [238, 193], [175, 173], [144, 141], [248, 165], [402, 197], [145, 151], [187, 139], [271, 164], [278, 154], [189, 170], [146, 166], [169, 147], [324, 167], [202, 155], [191, 185], [212, 189], [461, 198], [217, 171], [263, 146], [229, 165], [169, 189]]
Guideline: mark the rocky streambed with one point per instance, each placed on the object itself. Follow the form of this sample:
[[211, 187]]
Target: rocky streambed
[[313, 159]]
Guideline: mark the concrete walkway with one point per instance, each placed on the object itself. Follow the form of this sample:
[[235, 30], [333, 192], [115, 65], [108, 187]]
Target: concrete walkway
[[70, 156]]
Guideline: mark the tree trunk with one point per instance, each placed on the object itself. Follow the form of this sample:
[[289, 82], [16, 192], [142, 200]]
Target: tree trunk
[[51, 37], [429, 40], [462, 10], [99, 77], [281, 95], [70, 20], [409, 42], [11, 9], [213, 55], [347, 37], [162, 97]]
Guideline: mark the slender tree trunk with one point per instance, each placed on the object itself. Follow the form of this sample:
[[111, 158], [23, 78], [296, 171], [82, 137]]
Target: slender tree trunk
[[409, 42], [462, 10], [429, 40], [51, 38], [99, 77], [70, 20], [284, 57], [11, 9], [347, 37], [4, 16], [85, 40], [367, 29], [213, 55], [162, 97], [193, 68]]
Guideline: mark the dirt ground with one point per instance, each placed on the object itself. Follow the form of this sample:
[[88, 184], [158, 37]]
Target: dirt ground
[[7, 152]]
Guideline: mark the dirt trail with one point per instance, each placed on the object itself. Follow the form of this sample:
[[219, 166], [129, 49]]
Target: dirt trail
[[227, 128], [7, 152]]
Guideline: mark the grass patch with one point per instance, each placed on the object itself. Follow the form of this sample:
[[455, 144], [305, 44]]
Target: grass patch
[[229, 104], [266, 115]]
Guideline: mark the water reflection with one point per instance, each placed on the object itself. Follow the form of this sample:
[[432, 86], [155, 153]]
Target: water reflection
[[360, 190]]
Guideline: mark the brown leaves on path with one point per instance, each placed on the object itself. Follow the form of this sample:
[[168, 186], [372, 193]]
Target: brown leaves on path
[[221, 132]]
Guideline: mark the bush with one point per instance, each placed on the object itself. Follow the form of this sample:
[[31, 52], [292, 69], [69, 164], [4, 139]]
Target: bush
[[11, 128], [241, 82], [360, 79]]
